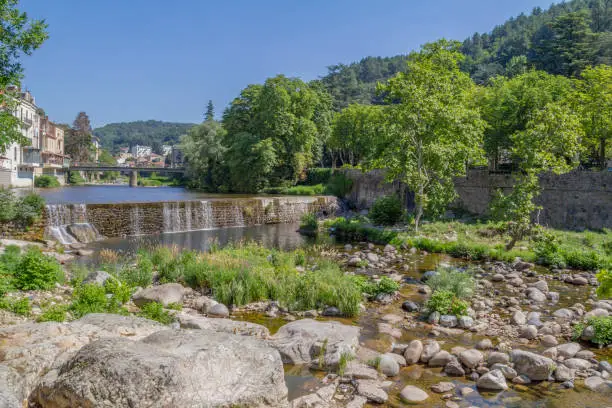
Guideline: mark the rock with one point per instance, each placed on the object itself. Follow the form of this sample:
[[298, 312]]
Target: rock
[[97, 278], [498, 277], [321, 398], [605, 366], [11, 388], [536, 295], [388, 365], [549, 340], [493, 380], [331, 311], [372, 391], [471, 358], [168, 368], [389, 248], [386, 328], [84, 252], [301, 341], [448, 321], [465, 322], [165, 294], [568, 350], [430, 349], [354, 261], [577, 363], [203, 303], [454, 368], [410, 306], [518, 318], [412, 394], [443, 387], [565, 314], [550, 353], [596, 313], [534, 366], [522, 265], [508, 372], [553, 296], [218, 310], [579, 280], [188, 321], [533, 318], [434, 318], [568, 385], [360, 371], [496, 357], [528, 332], [428, 275], [563, 373], [585, 354], [588, 333], [372, 257], [440, 359], [357, 402], [484, 344], [413, 352], [521, 380], [597, 384], [541, 285]]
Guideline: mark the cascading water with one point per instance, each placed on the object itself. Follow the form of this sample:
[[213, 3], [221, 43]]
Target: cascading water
[[67, 223]]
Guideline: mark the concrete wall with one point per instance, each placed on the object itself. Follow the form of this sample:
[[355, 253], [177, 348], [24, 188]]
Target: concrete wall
[[575, 200]]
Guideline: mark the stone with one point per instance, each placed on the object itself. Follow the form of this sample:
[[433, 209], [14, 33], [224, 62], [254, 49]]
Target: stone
[[434, 318], [553, 296], [187, 321], [564, 314], [321, 398], [388, 365], [465, 322], [597, 384], [585, 354], [580, 280], [372, 257], [301, 341], [521, 380], [549, 340], [97, 278], [465, 391], [528, 332], [11, 388], [413, 352], [454, 368], [533, 318], [448, 321], [410, 306], [430, 349], [568, 350], [498, 277], [508, 372], [496, 357], [563, 373], [357, 402], [471, 358], [493, 381], [354, 261], [412, 394], [218, 310], [541, 285], [371, 390], [577, 363], [203, 303], [389, 248], [534, 366], [596, 313], [518, 318], [428, 275], [82, 251], [168, 368], [484, 344], [605, 366], [536, 295], [331, 311], [440, 359], [360, 371], [165, 294], [443, 387]]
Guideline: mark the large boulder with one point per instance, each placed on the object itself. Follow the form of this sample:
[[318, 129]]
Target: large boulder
[[305, 341], [493, 380], [169, 368], [165, 294], [568, 350], [430, 349], [534, 366], [471, 358], [413, 352], [188, 321], [412, 394], [11, 388]]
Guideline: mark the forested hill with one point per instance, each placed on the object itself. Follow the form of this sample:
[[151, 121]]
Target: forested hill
[[151, 133], [560, 40]]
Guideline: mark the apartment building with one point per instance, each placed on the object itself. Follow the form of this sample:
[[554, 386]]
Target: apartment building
[[141, 151]]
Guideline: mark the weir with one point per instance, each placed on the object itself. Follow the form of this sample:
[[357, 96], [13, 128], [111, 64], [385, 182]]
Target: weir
[[72, 223]]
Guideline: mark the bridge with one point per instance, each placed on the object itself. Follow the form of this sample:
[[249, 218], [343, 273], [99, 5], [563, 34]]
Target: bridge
[[132, 170]]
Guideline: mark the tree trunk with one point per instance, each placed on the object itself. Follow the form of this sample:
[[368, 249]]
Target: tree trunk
[[602, 153]]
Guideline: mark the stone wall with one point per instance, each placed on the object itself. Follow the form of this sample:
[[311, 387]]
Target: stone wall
[[575, 200]]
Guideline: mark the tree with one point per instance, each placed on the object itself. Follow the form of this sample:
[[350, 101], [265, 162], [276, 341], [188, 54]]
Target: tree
[[433, 129], [19, 36], [572, 45], [210, 112], [204, 152], [550, 143], [595, 104], [78, 142]]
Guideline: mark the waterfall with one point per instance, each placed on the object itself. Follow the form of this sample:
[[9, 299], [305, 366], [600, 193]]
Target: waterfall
[[67, 223]]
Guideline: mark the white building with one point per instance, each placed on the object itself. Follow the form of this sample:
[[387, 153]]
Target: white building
[[166, 150], [141, 151]]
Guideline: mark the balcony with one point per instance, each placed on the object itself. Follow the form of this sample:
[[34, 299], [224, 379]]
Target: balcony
[[31, 156], [27, 122]]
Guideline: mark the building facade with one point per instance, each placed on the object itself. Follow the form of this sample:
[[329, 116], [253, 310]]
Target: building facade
[[141, 151]]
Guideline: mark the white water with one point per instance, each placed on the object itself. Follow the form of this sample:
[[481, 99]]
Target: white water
[[61, 216]]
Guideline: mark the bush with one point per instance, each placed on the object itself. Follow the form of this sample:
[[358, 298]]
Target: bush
[[46, 181], [445, 302], [55, 313], [155, 311], [459, 283], [6, 280], [602, 327], [75, 178], [20, 306], [317, 176], [309, 222], [372, 289], [604, 290], [338, 185], [91, 298], [37, 271], [24, 210], [386, 210]]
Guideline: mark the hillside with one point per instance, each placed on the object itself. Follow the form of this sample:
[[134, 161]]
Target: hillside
[[151, 133], [519, 43]]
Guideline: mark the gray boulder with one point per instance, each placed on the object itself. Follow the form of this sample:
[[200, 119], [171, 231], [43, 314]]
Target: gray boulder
[[564, 373], [534, 366], [302, 341], [372, 390], [471, 358], [412, 394], [440, 359], [430, 349], [218, 310], [164, 294], [448, 321], [11, 388], [188, 321], [388, 365], [97, 278], [413, 352], [493, 381], [568, 350]]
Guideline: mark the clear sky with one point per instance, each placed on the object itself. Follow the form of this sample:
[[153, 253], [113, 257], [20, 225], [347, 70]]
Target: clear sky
[[125, 60]]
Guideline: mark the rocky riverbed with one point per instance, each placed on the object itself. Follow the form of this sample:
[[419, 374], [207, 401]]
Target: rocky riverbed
[[514, 348]]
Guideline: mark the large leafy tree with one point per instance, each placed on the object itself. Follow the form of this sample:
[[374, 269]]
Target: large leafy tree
[[19, 36], [204, 153], [434, 129], [595, 105], [78, 141]]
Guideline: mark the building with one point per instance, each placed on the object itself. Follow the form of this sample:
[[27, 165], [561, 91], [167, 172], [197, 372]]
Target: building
[[53, 159], [96, 144], [176, 157], [141, 151], [166, 150]]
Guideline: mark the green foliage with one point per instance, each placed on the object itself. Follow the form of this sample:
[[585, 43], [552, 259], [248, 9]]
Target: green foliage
[[602, 328], [23, 211], [155, 311], [445, 302], [120, 291], [141, 275], [384, 286], [604, 290], [447, 279], [91, 298], [19, 306], [37, 271], [55, 313], [386, 210], [46, 181], [338, 185], [316, 176], [149, 132], [355, 230], [204, 152], [345, 358], [75, 178], [309, 222]]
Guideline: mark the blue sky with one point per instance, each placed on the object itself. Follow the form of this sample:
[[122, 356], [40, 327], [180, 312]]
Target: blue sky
[[124, 60]]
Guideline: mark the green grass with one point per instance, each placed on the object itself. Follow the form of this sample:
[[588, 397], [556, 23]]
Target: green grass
[[19, 306], [246, 273], [55, 313], [459, 283], [155, 311]]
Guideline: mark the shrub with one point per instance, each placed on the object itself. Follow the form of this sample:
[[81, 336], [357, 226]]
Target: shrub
[[317, 176], [75, 178], [37, 271], [445, 302], [386, 210], [602, 327], [140, 275], [46, 181], [339, 185], [587, 260], [119, 290], [604, 290], [474, 252], [29, 209], [155, 311], [447, 279], [372, 289], [91, 298], [309, 222], [20, 306], [55, 313]]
